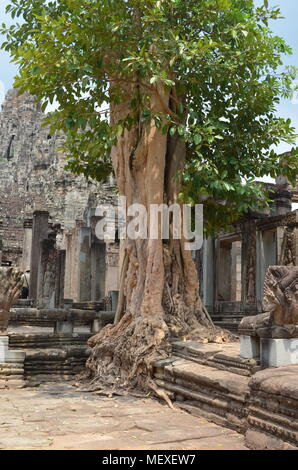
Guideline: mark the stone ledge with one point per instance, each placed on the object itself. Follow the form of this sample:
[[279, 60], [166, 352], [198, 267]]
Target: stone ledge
[[263, 406], [220, 356], [278, 381], [219, 394], [257, 440], [8, 355], [45, 317]]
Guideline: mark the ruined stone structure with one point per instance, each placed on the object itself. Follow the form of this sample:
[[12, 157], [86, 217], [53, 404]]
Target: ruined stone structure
[[46, 212], [233, 265], [32, 175], [48, 223]]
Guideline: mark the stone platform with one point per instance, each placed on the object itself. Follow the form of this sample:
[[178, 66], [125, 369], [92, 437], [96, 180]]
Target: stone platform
[[52, 342], [213, 381], [11, 365], [49, 356]]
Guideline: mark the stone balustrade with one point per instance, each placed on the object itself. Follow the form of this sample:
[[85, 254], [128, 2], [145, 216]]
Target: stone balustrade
[[62, 320]]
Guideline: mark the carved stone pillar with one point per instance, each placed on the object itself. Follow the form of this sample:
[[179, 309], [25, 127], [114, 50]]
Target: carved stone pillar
[[47, 274], [39, 233], [249, 266]]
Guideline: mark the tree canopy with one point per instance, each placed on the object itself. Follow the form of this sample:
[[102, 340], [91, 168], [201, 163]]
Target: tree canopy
[[218, 58]]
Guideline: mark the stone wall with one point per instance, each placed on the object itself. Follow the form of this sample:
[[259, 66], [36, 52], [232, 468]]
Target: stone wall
[[32, 175]]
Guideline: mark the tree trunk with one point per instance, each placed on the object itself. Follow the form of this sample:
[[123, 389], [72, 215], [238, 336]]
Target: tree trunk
[[160, 300]]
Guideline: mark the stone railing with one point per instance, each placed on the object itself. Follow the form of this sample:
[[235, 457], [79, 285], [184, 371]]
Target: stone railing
[[63, 320]]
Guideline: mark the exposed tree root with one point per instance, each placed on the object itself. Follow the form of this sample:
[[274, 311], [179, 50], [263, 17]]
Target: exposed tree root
[[123, 355]]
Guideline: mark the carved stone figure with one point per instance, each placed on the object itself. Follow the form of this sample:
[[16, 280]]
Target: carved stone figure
[[10, 288], [281, 294], [288, 251], [248, 230]]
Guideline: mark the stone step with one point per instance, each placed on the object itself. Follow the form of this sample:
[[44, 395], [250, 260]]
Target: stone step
[[263, 406], [273, 409], [24, 303], [219, 396], [220, 356], [46, 340], [96, 306], [66, 361]]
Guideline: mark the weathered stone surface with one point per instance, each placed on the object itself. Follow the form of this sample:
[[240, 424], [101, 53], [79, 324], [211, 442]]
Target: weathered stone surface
[[282, 381], [249, 347], [249, 326], [281, 294], [279, 352], [263, 406], [218, 395], [273, 409], [57, 416], [67, 361], [281, 303], [33, 175], [11, 365], [260, 440], [10, 288]]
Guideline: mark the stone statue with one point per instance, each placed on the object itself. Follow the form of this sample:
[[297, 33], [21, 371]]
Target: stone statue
[[10, 288], [281, 295], [280, 304]]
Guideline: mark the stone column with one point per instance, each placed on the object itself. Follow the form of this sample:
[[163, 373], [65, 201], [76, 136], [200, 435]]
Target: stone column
[[282, 202], [112, 268], [249, 266], [84, 261], [39, 233], [27, 244], [47, 274], [72, 269], [68, 266], [208, 287], [60, 278], [98, 270], [224, 271]]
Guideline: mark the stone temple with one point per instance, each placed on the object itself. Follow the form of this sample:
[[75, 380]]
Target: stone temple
[[248, 281], [36, 191]]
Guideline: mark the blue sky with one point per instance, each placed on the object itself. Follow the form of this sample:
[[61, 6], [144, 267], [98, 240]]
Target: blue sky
[[286, 28]]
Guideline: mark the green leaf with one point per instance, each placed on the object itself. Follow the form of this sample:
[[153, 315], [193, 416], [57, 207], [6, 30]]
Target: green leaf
[[197, 139]]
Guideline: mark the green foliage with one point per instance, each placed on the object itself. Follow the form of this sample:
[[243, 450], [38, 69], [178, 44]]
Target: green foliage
[[218, 58]]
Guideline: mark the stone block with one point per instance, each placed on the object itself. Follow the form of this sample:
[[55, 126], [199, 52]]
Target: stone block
[[8, 355], [249, 347], [64, 327], [279, 352]]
